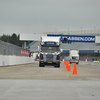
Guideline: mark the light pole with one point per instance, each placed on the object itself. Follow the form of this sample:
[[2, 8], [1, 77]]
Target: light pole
[[81, 30], [56, 30], [68, 30], [94, 29]]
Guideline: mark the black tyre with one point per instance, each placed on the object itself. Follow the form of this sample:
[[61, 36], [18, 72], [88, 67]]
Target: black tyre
[[77, 62], [41, 65], [57, 66]]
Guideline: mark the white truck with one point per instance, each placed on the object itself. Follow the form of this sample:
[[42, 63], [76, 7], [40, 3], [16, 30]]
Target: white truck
[[49, 51], [74, 56]]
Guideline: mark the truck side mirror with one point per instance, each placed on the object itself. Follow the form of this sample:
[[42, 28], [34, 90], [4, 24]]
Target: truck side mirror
[[38, 48], [61, 50]]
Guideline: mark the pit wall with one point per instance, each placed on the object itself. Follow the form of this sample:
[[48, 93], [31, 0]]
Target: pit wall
[[14, 60]]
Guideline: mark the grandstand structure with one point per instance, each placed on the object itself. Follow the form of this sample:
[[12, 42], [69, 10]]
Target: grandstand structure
[[89, 51], [68, 46], [76, 32]]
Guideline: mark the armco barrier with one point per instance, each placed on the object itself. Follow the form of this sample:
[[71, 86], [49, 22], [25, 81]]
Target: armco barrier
[[14, 60]]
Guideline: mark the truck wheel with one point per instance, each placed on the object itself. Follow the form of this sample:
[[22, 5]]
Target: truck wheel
[[77, 63], [58, 66], [41, 65]]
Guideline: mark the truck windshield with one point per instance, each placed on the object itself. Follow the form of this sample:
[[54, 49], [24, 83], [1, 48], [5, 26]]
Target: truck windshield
[[50, 49]]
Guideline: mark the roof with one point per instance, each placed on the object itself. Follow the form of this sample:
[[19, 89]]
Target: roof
[[54, 39]]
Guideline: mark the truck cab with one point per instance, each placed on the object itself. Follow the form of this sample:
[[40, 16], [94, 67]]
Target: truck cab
[[49, 51], [74, 56]]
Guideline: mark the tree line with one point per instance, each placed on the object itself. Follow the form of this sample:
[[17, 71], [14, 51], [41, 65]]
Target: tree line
[[13, 39]]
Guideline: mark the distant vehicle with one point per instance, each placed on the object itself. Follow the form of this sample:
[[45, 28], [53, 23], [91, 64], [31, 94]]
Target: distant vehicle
[[74, 56], [66, 58], [49, 51]]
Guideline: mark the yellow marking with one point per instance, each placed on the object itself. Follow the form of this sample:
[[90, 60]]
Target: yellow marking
[[49, 62]]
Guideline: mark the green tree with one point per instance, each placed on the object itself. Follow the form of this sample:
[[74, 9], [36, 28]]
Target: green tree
[[19, 43], [5, 38], [13, 39]]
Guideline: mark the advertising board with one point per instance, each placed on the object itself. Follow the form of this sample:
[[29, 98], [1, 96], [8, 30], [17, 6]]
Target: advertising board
[[24, 53], [75, 38]]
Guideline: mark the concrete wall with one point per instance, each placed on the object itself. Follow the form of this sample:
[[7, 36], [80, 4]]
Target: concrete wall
[[14, 60]]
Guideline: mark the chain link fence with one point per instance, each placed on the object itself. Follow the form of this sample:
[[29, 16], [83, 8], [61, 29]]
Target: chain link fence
[[9, 49]]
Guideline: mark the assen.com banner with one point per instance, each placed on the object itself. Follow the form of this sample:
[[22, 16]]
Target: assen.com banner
[[24, 53], [76, 38]]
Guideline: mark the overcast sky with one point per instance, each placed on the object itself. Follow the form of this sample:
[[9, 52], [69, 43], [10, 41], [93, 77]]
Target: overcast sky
[[38, 16]]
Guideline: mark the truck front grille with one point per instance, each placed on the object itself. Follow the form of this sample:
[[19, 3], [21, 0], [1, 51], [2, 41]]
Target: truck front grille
[[49, 56], [49, 59]]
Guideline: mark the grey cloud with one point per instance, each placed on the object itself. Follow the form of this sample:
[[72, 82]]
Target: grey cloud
[[29, 16]]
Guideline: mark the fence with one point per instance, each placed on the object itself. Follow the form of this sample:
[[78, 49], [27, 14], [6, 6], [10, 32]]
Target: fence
[[9, 49]]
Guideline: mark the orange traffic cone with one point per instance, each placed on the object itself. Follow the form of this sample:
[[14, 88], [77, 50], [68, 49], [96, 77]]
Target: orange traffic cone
[[66, 63], [75, 70], [84, 59], [66, 67], [69, 68]]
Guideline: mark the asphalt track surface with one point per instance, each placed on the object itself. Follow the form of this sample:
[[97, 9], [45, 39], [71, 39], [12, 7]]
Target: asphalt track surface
[[31, 82]]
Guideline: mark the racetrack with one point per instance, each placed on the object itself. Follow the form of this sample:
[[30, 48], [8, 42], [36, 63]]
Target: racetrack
[[31, 82], [33, 71]]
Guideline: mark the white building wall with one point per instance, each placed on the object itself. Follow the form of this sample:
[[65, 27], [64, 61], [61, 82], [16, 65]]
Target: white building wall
[[97, 40]]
